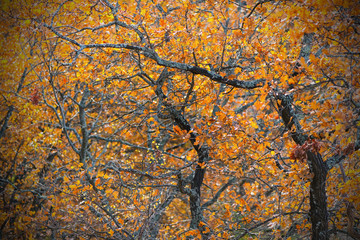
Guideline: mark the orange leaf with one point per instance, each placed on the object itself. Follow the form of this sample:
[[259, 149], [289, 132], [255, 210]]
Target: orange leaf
[[177, 130], [97, 182]]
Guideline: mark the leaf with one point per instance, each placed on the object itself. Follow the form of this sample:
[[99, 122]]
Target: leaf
[[303, 63], [177, 130], [66, 179], [99, 83], [202, 165], [97, 182]]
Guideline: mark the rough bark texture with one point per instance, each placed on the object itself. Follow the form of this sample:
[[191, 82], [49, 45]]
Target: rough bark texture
[[319, 168], [318, 199]]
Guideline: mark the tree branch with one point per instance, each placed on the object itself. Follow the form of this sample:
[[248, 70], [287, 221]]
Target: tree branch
[[11, 108], [147, 52], [218, 193]]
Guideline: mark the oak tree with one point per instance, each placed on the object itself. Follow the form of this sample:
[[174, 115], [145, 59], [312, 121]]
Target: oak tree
[[152, 119]]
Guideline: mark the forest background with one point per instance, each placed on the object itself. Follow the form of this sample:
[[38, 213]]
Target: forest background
[[154, 119]]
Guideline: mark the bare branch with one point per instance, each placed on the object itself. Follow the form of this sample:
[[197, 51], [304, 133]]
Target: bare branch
[[218, 193]]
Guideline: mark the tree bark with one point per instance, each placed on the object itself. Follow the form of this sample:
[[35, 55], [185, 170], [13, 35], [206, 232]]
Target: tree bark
[[11, 108], [318, 199], [203, 155]]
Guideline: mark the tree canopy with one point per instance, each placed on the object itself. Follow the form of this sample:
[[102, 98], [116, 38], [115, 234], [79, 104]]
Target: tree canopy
[[153, 119]]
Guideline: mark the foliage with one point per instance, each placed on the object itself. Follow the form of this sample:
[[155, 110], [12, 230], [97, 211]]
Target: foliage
[[179, 119]]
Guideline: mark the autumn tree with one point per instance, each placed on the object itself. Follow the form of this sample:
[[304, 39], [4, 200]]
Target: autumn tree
[[179, 119]]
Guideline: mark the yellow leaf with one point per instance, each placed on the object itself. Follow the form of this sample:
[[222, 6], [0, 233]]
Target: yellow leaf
[[66, 179], [116, 194]]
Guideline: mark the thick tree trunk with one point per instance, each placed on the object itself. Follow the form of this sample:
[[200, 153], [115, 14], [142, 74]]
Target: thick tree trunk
[[203, 156], [318, 199], [195, 209], [319, 169]]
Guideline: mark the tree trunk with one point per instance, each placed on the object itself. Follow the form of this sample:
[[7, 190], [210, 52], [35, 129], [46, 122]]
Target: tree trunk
[[319, 169], [318, 200], [202, 152]]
